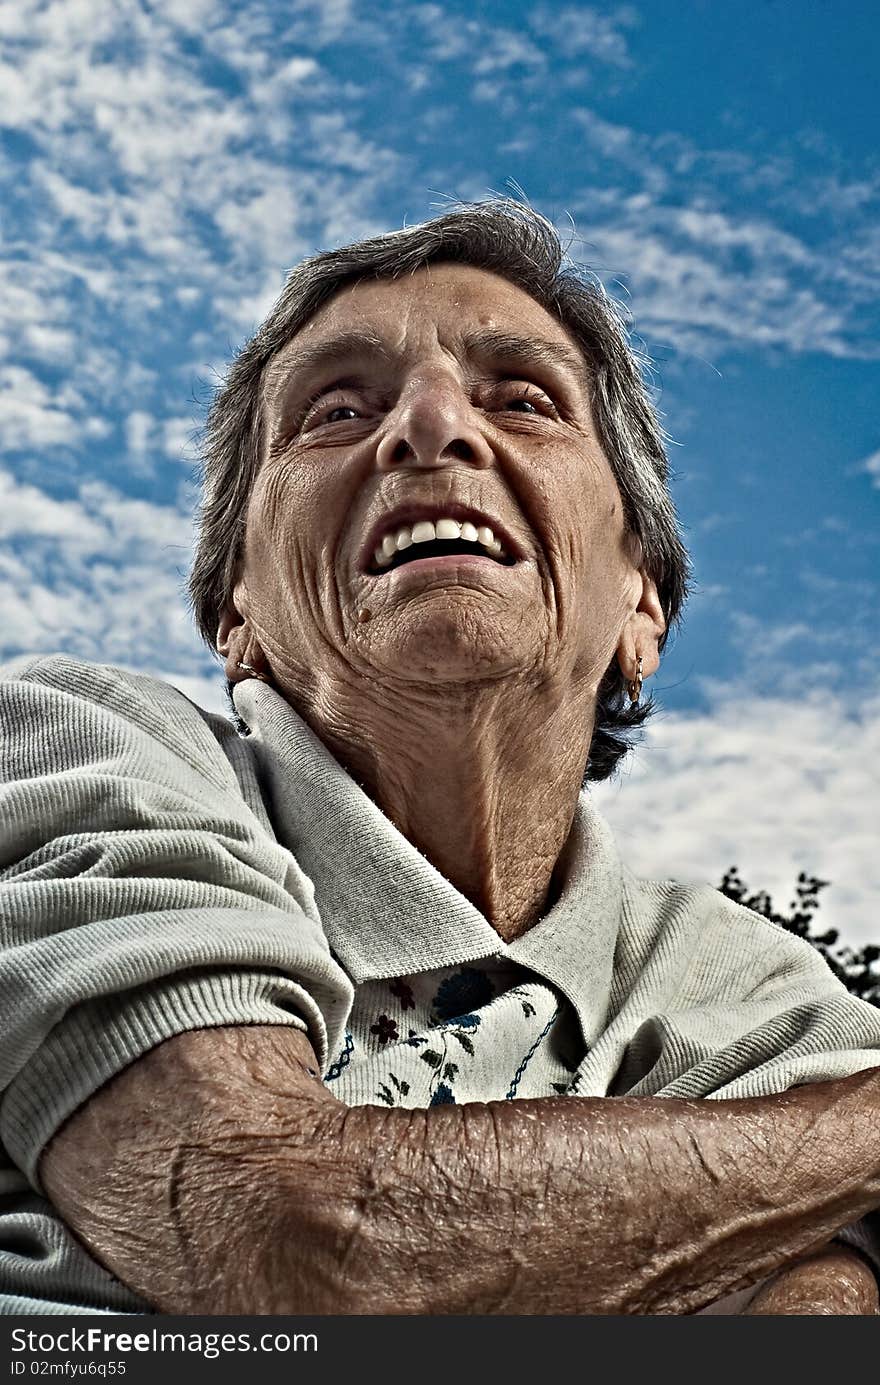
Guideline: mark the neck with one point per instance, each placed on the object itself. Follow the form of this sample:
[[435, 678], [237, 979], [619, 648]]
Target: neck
[[483, 782]]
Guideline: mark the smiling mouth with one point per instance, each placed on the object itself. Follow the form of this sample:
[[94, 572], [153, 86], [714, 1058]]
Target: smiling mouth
[[440, 548]]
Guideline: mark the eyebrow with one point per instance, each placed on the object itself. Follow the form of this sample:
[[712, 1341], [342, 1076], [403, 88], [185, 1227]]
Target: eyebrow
[[313, 359], [528, 351]]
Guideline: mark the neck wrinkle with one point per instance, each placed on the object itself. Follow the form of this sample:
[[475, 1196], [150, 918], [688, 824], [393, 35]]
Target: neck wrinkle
[[487, 793]]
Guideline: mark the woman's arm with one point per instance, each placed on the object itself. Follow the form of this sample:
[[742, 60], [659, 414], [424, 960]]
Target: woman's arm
[[218, 1175], [833, 1281]]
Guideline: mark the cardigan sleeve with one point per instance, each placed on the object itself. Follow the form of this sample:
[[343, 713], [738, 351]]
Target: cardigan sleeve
[[140, 894]]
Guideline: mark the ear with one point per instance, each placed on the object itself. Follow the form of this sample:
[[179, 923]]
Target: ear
[[238, 645], [641, 635]]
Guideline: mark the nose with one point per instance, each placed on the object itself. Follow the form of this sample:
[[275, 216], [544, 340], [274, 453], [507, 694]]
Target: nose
[[433, 424]]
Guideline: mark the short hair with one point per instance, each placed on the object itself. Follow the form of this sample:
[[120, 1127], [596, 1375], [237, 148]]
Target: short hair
[[509, 239]]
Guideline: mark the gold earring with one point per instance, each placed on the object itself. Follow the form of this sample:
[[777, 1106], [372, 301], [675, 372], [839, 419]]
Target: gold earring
[[249, 668], [634, 686]]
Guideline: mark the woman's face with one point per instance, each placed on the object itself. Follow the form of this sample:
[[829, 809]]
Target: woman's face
[[446, 395]]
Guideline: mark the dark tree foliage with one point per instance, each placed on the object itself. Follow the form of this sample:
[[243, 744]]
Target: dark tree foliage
[[858, 970]]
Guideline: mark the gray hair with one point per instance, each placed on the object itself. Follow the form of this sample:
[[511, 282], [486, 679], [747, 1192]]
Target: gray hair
[[515, 242]]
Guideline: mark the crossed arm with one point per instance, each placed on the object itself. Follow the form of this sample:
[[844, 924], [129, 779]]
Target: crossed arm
[[218, 1175]]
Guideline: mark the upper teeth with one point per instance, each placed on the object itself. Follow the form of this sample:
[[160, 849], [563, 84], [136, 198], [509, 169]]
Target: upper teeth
[[424, 531]]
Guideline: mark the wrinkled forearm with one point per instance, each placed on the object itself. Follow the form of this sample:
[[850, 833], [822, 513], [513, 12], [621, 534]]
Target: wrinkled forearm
[[255, 1191], [835, 1281]]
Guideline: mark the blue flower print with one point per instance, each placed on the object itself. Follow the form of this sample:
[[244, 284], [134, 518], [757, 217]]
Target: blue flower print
[[465, 1022], [442, 1096], [467, 990]]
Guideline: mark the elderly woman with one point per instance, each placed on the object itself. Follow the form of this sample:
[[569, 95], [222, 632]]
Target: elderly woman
[[289, 1011]]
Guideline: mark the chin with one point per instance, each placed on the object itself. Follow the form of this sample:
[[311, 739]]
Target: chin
[[446, 649]]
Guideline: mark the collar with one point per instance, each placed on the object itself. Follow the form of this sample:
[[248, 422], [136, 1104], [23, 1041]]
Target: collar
[[388, 912]]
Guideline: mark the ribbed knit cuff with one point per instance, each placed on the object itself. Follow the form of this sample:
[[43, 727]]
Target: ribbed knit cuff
[[98, 1039]]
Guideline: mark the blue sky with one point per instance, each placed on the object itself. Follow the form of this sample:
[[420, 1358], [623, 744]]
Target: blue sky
[[162, 164]]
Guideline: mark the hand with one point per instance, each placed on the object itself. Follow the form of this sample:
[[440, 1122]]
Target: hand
[[834, 1281]]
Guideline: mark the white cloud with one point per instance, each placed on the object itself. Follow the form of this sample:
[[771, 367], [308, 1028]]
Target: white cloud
[[30, 414], [205, 690], [871, 466], [703, 280], [507, 49], [704, 272], [28, 512], [139, 431], [180, 438], [98, 574], [582, 31], [146, 149], [772, 785]]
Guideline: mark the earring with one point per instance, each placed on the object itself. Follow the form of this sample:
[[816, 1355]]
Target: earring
[[249, 668], [634, 686]]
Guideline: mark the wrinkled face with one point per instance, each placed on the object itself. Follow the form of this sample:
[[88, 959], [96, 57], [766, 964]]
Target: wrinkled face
[[433, 505]]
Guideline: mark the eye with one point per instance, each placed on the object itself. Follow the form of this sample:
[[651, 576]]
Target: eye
[[526, 399], [328, 407], [334, 415]]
